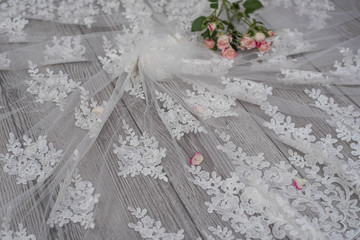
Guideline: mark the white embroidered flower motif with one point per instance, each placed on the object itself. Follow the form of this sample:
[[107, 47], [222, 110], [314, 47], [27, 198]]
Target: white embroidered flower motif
[[349, 65], [4, 61], [246, 90], [88, 114], [65, 49], [83, 12], [72, 12], [120, 56], [209, 103], [151, 230], [77, 204], [323, 153], [248, 199], [112, 62], [30, 160], [179, 120], [345, 119], [50, 87], [134, 87], [215, 65], [293, 76], [346, 122], [220, 233], [139, 155], [12, 27], [8, 234]]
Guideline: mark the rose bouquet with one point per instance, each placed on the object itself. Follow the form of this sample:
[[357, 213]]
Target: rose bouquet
[[220, 34]]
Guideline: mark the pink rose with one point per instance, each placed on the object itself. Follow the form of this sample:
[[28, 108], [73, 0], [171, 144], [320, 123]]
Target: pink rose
[[229, 53], [265, 47], [209, 43], [248, 43], [224, 41], [271, 33], [260, 37], [212, 26]]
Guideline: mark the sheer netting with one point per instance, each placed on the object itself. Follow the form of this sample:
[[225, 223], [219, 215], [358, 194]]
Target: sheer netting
[[117, 123]]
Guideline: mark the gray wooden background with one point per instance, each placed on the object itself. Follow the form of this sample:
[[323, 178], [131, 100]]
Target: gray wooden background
[[178, 204]]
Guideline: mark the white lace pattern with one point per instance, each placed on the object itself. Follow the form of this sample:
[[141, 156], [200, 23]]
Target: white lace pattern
[[139, 155], [30, 160], [77, 204], [151, 230]]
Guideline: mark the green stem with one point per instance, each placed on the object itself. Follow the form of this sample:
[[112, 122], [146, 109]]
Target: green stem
[[227, 10], [221, 9]]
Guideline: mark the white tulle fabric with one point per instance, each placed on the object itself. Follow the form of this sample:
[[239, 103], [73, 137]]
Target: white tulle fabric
[[80, 145]]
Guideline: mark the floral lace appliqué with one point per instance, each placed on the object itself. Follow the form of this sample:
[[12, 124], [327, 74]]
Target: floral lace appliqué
[[8, 234], [250, 199], [13, 27], [219, 233], [209, 103], [246, 90], [30, 160], [179, 120], [65, 49], [4, 61], [135, 87], [50, 87], [349, 65], [77, 204], [149, 229], [303, 77], [88, 114], [324, 162], [139, 155]]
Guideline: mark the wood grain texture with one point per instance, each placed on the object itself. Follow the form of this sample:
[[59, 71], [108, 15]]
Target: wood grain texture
[[178, 203]]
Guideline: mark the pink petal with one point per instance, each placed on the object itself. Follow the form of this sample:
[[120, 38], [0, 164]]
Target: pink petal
[[196, 159], [299, 183]]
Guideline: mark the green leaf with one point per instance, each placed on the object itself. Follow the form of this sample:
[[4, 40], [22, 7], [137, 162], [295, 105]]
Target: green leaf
[[234, 47], [252, 5], [206, 34], [213, 34], [214, 5], [213, 1], [231, 26], [235, 6], [197, 24]]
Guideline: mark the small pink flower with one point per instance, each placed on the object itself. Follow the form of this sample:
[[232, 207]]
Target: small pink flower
[[196, 159], [212, 26], [271, 33], [97, 111], [260, 37], [229, 53], [199, 109], [209, 43], [265, 47], [299, 183], [224, 41], [248, 43]]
